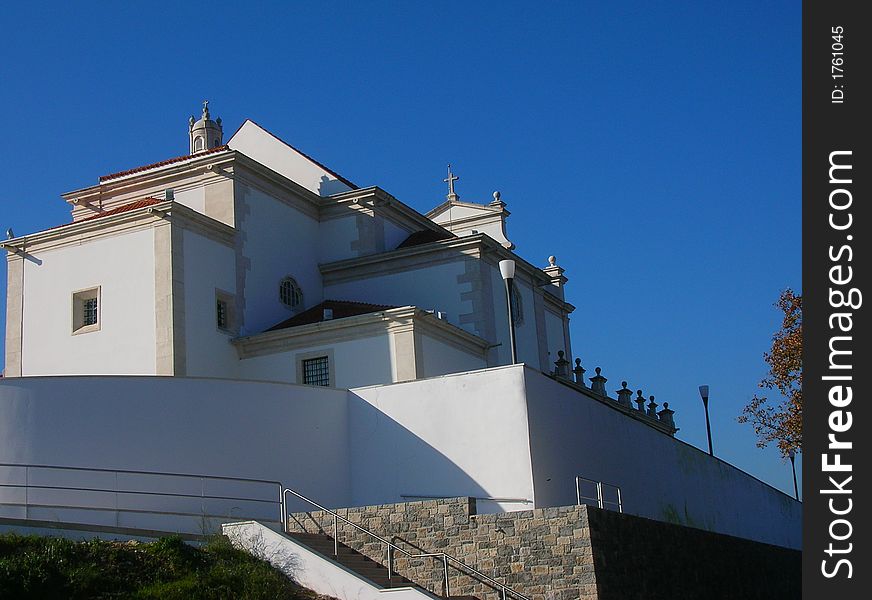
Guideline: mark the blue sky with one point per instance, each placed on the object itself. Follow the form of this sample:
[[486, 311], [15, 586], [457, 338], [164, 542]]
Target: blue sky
[[654, 148]]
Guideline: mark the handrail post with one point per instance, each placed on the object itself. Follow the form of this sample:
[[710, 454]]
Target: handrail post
[[504, 592], [599, 493], [283, 519], [335, 537], [578, 491], [389, 562], [445, 567], [620, 502]]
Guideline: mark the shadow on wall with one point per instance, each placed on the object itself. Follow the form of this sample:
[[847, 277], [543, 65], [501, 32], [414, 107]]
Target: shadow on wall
[[389, 463]]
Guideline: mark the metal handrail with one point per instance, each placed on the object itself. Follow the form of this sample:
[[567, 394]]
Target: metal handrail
[[27, 486], [599, 493], [446, 558]]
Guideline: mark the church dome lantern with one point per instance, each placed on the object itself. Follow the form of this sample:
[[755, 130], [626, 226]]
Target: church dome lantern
[[205, 133]]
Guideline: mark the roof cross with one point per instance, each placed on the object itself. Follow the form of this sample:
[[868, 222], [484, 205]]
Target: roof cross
[[450, 181]]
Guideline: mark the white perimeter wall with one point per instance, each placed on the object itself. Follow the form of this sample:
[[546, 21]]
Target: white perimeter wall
[[295, 434], [456, 435], [208, 265], [660, 477], [123, 267]]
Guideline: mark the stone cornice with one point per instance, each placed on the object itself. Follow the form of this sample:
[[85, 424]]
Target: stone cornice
[[479, 246], [77, 232], [497, 210], [383, 204], [358, 327]]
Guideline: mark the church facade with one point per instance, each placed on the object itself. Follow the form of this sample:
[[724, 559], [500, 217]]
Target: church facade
[[244, 311], [251, 260]]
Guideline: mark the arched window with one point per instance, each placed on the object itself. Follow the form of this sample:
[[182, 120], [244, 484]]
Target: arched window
[[290, 293], [517, 305], [198, 144]]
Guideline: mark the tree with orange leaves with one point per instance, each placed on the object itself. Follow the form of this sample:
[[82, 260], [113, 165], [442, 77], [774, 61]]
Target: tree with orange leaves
[[781, 422]]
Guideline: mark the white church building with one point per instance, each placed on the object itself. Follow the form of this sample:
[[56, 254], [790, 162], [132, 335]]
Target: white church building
[[244, 311]]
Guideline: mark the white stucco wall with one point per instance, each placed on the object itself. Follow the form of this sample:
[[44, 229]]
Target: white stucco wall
[[257, 143], [278, 241], [358, 234], [660, 477], [365, 361], [456, 435], [208, 265], [194, 198], [123, 267], [554, 337], [293, 434], [439, 358], [434, 287]]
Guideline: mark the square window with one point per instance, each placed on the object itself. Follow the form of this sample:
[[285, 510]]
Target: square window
[[316, 371], [86, 310]]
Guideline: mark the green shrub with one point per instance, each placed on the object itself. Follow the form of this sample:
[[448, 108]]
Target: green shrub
[[48, 568]]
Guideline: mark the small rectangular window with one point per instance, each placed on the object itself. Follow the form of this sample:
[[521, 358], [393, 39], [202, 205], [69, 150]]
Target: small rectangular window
[[316, 371], [224, 311], [86, 310]]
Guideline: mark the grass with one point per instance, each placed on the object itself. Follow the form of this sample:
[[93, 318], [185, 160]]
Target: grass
[[48, 568]]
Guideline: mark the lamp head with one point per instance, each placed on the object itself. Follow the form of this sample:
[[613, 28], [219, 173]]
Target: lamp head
[[507, 269], [704, 392]]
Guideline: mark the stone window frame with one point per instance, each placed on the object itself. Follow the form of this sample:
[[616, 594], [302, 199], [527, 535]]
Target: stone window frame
[[79, 297], [331, 365], [295, 293], [229, 301]]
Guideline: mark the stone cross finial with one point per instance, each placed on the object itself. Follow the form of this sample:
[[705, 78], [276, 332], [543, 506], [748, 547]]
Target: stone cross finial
[[450, 181], [205, 109], [624, 395], [579, 372], [652, 408], [598, 383], [640, 401]]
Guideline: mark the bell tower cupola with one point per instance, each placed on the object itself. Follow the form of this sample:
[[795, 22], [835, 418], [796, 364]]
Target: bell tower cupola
[[205, 134]]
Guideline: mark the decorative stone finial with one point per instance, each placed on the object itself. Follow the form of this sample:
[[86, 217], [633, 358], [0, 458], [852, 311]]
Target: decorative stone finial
[[625, 395], [205, 109], [579, 372], [640, 401], [598, 383], [552, 261], [497, 196], [652, 408], [562, 366], [666, 417]]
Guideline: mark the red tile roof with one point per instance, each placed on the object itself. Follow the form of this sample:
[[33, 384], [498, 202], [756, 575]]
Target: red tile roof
[[122, 209], [162, 163], [341, 309]]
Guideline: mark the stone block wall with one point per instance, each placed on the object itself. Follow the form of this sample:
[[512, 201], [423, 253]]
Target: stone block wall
[[542, 553], [563, 553]]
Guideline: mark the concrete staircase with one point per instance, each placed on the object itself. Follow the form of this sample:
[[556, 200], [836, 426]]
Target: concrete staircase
[[351, 559]]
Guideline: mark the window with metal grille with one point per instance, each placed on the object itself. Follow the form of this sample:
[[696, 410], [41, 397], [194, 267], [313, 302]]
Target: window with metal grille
[[290, 293], [316, 371], [86, 311], [221, 317], [89, 312]]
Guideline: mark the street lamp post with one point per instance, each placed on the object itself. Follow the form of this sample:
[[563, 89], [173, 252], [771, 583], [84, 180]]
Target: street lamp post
[[507, 270], [704, 394], [792, 454]]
